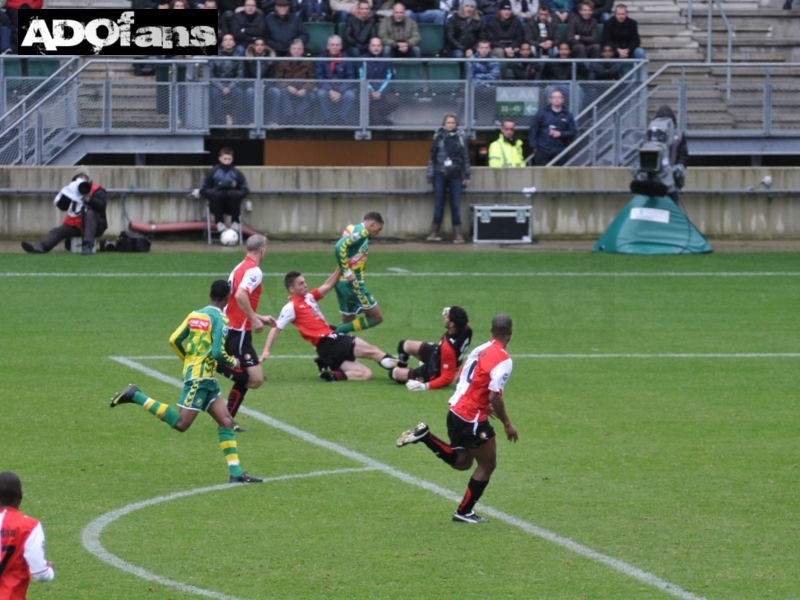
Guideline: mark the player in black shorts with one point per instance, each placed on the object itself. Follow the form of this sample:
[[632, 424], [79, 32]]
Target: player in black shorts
[[438, 362]]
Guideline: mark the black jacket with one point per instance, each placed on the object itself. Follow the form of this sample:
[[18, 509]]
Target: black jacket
[[280, 32], [606, 71], [421, 5], [559, 70], [246, 28], [622, 35], [505, 34], [358, 32], [463, 34], [521, 71], [587, 29], [534, 37]]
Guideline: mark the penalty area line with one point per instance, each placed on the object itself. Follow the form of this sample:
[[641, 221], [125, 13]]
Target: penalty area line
[[90, 536], [616, 564]]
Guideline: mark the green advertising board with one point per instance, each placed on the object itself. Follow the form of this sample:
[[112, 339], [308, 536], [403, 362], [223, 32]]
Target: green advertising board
[[517, 101]]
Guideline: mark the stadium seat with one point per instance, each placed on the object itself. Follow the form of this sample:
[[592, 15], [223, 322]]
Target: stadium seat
[[409, 70], [448, 76], [562, 32], [600, 31], [42, 67], [432, 38], [318, 34], [12, 67]]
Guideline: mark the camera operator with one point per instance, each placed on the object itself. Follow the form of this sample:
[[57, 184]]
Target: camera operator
[[85, 205]]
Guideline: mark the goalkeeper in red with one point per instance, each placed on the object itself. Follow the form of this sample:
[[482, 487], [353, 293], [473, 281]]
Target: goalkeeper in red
[[359, 309], [479, 393], [438, 362], [200, 343]]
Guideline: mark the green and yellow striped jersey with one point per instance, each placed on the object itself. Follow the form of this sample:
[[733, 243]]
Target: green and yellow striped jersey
[[352, 249], [200, 343]]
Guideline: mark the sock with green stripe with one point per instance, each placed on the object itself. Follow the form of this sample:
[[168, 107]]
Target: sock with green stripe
[[165, 412], [227, 441], [360, 323]]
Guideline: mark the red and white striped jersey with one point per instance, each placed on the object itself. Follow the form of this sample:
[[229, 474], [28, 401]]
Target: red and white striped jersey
[[486, 369], [21, 554], [247, 276], [307, 317]]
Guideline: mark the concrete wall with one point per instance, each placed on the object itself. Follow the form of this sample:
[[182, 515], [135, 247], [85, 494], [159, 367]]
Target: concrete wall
[[556, 215]]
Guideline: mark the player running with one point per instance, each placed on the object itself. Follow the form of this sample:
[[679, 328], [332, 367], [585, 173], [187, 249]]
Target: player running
[[359, 309], [245, 282], [479, 394], [336, 352], [21, 543], [438, 362], [200, 343]]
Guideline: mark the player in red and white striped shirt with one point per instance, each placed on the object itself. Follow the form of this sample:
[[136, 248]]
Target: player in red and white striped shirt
[[21, 543], [336, 352], [479, 394]]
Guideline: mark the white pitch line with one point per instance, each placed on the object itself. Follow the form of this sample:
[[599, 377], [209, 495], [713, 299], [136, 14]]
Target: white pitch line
[[444, 274], [92, 532], [560, 356], [572, 546]]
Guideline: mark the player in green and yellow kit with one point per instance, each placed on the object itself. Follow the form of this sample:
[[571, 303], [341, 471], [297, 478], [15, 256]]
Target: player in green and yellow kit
[[200, 343], [359, 309]]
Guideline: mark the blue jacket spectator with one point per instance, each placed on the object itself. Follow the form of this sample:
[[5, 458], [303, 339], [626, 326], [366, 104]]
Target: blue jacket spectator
[[552, 130], [336, 94], [484, 72], [282, 27]]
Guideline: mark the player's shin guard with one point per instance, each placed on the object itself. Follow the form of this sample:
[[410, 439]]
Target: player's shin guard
[[235, 375], [360, 323], [473, 494], [440, 448], [227, 441], [166, 413], [236, 397], [402, 355]]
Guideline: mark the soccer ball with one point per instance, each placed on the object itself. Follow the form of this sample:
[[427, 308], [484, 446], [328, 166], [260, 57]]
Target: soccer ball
[[229, 237]]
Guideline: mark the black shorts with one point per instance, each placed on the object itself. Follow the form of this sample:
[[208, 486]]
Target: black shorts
[[240, 345], [429, 354], [464, 434], [334, 349]]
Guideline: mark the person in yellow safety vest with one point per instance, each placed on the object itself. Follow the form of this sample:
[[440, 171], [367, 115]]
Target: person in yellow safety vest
[[506, 151]]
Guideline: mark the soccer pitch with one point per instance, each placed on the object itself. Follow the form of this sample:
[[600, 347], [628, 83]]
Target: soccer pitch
[[655, 397]]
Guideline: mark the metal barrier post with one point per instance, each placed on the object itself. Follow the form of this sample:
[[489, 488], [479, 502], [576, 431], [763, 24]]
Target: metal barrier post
[[710, 17], [617, 140], [767, 104], [469, 104], [363, 107], [38, 154], [258, 133], [173, 98], [107, 102], [682, 107]]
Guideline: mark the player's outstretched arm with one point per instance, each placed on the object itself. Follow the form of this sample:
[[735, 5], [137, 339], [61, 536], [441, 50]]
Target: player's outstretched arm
[[268, 320], [330, 282], [499, 409], [273, 333]]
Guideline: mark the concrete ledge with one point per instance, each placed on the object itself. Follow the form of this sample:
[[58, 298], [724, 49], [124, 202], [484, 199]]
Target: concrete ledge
[[556, 215]]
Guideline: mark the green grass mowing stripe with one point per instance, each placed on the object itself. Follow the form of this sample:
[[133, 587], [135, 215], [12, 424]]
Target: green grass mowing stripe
[[618, 565], [441, 274], [91, 534]]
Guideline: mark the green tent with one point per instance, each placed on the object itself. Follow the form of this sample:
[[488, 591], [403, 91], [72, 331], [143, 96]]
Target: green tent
[[652, 226]]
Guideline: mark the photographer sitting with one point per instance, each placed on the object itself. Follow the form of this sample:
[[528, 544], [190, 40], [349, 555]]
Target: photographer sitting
[[85, 203]]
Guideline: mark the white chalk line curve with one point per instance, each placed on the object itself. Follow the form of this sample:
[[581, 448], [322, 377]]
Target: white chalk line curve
[[442, 274], [616, 564]]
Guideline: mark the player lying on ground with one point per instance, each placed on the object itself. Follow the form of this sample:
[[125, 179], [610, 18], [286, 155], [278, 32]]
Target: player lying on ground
[[200, 343], [336, 352], [438, 362], [479, 393]]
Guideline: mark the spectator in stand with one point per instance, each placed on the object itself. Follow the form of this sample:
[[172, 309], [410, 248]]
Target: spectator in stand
[[313, 10], [360, 29], [506, 151], [268, 6], [582, 32], [5, 32], [448, 168], [484, 74], [623, 33], [400, 34], [337, 101], [463, 30], [230, 6], [505, 32], [552, 130], [342, 9], [488, 8], [525, 9], [226, 95], [449, 8], [382, 103], [246, 25], [543, 34], [602, 10], [292, 100], [608, 69], [520, 71], [560, 70], [258, 49], [561, 9], [178, 5], [787, 5], [282, 26], [425, 11]]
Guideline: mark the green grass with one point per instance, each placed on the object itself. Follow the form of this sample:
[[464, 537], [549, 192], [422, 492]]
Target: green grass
[[686, 468]]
